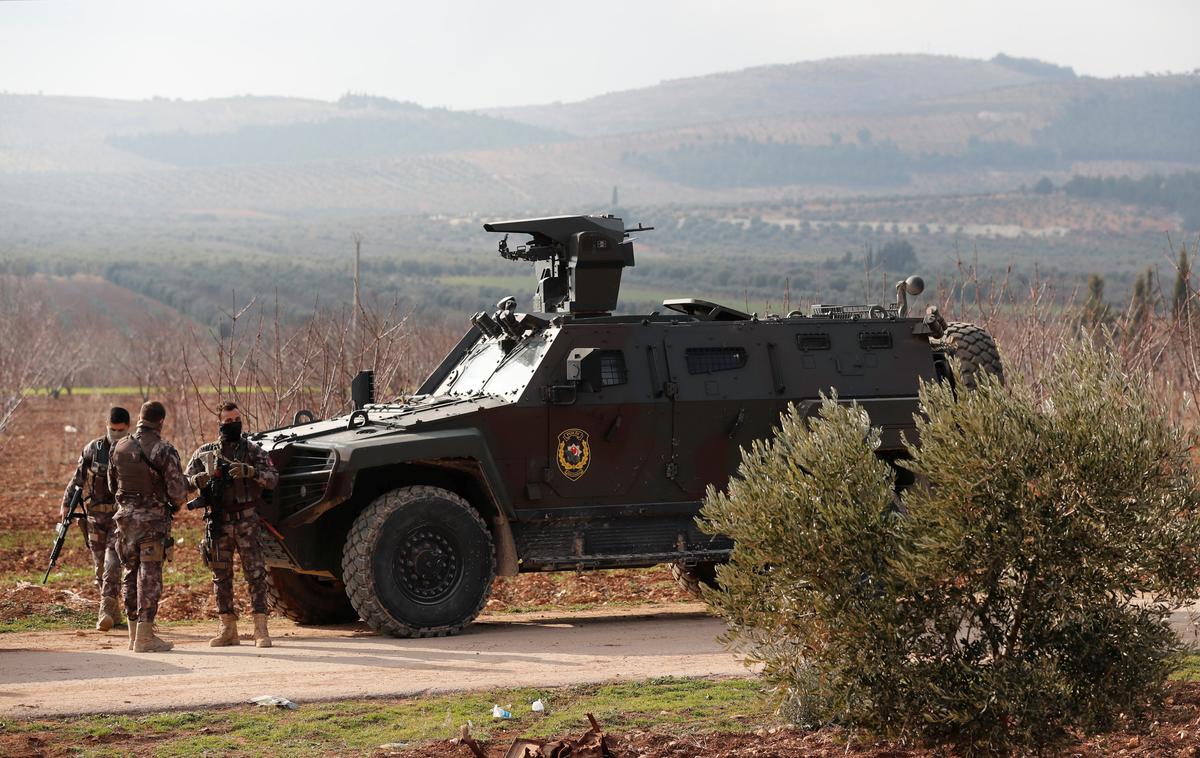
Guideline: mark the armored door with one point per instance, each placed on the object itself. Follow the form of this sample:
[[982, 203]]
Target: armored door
[[602, 440]]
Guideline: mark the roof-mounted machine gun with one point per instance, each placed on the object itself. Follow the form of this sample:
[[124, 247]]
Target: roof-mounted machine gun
[[577, 260]]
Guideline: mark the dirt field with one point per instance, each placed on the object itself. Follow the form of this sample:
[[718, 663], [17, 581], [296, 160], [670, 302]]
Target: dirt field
[[38, 460]]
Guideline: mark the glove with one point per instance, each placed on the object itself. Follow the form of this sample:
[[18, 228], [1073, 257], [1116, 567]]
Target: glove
[[199, 481], [241, 471]]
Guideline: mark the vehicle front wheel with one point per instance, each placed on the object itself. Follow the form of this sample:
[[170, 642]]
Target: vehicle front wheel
[[419, 562]]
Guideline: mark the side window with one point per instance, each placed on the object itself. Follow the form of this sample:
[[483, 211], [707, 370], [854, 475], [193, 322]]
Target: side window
[[706, 360], [612, 368]]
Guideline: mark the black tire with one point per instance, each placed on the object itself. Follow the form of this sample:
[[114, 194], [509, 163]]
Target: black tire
[[309, 599], [973, 349], [692, 578], [419, 562]]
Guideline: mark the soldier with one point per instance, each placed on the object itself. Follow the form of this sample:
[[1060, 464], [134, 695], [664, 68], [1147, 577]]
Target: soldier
[[91, 475], [149, 485], [250, 471]]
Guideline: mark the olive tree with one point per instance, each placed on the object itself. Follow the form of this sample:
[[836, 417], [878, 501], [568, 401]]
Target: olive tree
[[1017, 593]]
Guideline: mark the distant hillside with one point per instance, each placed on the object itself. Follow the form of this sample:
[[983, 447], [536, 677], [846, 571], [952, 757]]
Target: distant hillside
[[58, 133], [837, 85], [1134, 120], [881, 125], [91, 305], [89, 134], [401, 132]]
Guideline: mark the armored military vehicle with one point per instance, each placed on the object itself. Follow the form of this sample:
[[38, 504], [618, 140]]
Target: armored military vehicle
[[570, 437]]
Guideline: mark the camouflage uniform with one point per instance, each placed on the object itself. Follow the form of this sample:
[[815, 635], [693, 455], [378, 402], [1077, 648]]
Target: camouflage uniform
[[148, 481], [239, 520], [91, 475]]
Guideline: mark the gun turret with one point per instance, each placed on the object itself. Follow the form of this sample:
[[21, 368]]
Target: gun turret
[[577, 260]]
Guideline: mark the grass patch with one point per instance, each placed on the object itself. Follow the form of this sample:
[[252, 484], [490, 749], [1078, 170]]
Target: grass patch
[[27, 539], [50, 618], [681, 705], [1187, 669]]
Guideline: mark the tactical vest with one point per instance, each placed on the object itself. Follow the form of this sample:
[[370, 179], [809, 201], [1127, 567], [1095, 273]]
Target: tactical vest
[[98, 473], [239, 493], [135, 476]]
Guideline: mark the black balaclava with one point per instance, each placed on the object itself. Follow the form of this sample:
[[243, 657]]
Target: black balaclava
[[231, 431]]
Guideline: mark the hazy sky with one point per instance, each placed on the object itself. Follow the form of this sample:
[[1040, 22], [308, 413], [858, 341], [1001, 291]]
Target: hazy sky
[[474, 54]]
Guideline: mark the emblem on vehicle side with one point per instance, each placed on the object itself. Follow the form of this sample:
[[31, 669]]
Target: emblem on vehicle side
[[574, 453]]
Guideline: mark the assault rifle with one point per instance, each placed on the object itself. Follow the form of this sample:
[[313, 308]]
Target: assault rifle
[[211, 496], [74, 512]]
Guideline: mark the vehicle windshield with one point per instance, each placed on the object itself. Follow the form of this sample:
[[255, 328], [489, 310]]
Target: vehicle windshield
[[487, 370]]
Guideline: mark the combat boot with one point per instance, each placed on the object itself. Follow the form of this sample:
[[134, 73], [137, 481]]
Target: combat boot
[[109, 614], [147, 641], [261, 638], [228, 634]]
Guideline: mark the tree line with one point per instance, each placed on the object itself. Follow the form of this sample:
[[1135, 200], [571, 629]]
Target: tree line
[[1178, 192]]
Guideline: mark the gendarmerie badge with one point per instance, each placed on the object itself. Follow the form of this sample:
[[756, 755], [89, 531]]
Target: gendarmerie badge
[[574, 453]]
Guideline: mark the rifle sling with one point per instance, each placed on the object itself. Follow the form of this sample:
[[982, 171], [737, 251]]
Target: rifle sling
[[149, 462]]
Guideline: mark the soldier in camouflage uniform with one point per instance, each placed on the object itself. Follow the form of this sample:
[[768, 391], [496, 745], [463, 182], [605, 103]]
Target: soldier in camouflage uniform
[[250, 472], [149, 485], [91, 476]]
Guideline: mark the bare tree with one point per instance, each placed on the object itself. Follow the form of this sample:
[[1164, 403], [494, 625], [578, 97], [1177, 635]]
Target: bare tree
[[31, 349], [273, 370]]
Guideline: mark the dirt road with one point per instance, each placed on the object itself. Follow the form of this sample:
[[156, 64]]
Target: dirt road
[[60, 673], [69, 672]]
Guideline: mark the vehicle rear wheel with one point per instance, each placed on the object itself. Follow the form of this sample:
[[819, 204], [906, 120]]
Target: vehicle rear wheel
[[973, 349], [308, 599], [419, 562], [692, 578]]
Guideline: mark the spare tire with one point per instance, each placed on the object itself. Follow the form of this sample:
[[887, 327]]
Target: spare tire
[[973, 350], [308, 599]]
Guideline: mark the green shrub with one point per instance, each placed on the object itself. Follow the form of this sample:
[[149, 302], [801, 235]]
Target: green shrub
[[1018, 593]]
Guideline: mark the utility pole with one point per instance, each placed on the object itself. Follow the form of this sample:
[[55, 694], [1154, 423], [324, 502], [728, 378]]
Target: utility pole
[[357, 292]]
